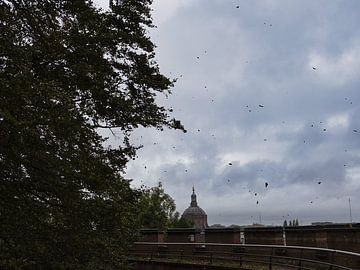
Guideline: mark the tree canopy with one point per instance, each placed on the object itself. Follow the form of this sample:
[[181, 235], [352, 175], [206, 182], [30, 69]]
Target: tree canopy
[[158, 210], [68, 69]]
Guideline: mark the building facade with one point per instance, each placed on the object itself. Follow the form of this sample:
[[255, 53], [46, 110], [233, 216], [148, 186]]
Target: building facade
[[195, 214]]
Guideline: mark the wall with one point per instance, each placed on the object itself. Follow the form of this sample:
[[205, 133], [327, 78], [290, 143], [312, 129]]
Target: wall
[[264, 236], [222, 235], [335, 236], [151, 235], [182, 236]]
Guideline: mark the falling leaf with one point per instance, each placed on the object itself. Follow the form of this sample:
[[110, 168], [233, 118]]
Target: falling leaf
[[266, 184], [261, 106], [230, 163]]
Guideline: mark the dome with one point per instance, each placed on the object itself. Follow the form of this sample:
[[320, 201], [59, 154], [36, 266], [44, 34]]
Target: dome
[[195, 214], [194, 211]]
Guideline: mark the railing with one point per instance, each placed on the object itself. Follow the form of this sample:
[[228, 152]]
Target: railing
[[250, 256]]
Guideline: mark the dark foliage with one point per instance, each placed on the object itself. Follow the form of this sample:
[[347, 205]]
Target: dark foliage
[[67, 70]]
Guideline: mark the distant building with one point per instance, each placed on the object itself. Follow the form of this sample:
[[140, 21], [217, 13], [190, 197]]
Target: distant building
[[195, 214], [321, 223], [256, 225], [217, 226]]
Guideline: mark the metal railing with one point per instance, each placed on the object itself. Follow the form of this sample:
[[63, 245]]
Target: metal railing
[[237, 255]]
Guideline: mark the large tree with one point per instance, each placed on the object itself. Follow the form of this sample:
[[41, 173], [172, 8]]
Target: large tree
[[158, 210], [68, 69]]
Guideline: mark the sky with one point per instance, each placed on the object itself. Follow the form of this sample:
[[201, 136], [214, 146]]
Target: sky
[[268, 91]]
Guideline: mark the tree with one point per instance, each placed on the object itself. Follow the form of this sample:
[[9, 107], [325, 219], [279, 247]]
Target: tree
[[285, 223], [182, 223], [158, 210], [67, 70]]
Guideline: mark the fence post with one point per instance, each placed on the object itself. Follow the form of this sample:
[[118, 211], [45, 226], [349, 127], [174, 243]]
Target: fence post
[[332, 260], [300, 259], [271, 256]]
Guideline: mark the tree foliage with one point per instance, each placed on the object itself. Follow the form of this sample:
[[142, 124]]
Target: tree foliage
[[285, 223], [158, 210], [68, 69], [293, 223], [182, 223]]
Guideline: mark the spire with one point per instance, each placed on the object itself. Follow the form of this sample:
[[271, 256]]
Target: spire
[[193, 198]]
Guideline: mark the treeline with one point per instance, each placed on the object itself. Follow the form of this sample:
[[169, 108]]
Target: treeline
[[292, 223]]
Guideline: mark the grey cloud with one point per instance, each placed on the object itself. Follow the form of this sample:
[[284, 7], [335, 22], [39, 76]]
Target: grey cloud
[[249, 63]]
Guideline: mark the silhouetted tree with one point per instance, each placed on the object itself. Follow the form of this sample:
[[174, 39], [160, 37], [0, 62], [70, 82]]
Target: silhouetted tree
[[67, 70]]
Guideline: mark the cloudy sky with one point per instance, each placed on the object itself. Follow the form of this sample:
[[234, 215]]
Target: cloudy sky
[[269, 91]]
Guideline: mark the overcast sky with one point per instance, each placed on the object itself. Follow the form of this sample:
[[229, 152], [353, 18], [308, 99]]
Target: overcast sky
[[271, 87]]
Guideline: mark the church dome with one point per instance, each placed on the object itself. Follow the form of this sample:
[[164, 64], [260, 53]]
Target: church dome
[[195, 214], [194, 211]]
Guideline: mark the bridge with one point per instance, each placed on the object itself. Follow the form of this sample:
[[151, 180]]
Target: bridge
[[174, 256]]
